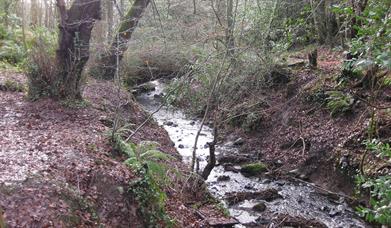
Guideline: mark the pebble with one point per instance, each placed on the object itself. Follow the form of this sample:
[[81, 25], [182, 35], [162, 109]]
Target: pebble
[[168, 123], [223, 178], [259, 207]]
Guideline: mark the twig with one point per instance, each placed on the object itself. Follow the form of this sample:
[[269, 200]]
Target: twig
[[206, 113], [301, 137]]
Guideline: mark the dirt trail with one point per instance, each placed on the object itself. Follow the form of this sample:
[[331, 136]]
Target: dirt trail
[[57, 168], [52, 159]]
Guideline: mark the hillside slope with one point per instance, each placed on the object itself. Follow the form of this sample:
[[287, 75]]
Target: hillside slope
[[58, 168]]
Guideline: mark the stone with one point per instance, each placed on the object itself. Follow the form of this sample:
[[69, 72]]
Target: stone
[[249, 186], [333, 212], [168, 123], [262, 221], [223, 178], [230, 167], [259, 207], [280, 182], [253, 169], [267, 195]]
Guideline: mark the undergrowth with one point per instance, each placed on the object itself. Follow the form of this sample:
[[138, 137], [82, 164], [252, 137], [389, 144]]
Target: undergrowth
[[379, 186], [339, 102], [147, 189]]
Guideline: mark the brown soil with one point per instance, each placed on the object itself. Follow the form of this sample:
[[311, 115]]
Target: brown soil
[[58, 168]]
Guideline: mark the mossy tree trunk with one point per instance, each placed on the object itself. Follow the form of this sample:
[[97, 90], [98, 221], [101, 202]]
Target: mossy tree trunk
[[72, 54], [106, 65]]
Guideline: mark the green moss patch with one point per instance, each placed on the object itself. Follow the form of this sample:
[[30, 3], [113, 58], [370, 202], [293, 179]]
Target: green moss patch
[[253, 169]]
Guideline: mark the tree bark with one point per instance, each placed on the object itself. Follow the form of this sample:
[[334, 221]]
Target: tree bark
[[76, 24], [106, 64]]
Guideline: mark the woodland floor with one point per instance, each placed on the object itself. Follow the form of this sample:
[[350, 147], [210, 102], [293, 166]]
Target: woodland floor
[[58, 168]]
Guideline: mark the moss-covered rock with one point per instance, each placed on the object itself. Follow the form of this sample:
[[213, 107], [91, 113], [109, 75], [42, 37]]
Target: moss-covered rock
[[253, 169], [259, 207]]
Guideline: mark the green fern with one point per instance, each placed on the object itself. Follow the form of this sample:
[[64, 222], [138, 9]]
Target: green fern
[[148, 162], [145, 154], [339, 103]]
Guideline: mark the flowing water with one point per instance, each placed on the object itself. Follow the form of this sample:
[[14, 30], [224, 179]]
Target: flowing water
[[298, 199]]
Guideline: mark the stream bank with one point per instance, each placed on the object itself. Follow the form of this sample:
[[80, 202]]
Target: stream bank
[[253, 201]]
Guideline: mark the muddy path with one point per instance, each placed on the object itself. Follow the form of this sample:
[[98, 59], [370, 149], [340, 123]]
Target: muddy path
[[253, 201]]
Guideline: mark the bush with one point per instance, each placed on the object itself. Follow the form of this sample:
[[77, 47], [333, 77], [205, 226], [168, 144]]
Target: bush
[[339, 103], [11, 52], [41, 66], [379, 187]]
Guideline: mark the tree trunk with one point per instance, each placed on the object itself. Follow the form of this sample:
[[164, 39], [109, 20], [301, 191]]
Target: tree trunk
[[106, 65], [230, 39], [33, 13], [76, 24], [212, 156], [110, 21]]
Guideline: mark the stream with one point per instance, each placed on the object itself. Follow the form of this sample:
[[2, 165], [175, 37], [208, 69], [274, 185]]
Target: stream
[[296, 199]]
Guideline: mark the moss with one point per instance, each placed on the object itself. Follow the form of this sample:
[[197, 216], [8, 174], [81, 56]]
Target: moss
[[253, 169], [260, 207]]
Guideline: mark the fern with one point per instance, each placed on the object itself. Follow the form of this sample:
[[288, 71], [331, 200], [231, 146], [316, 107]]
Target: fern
[[147, 160], [145, 154], [339, 103]]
